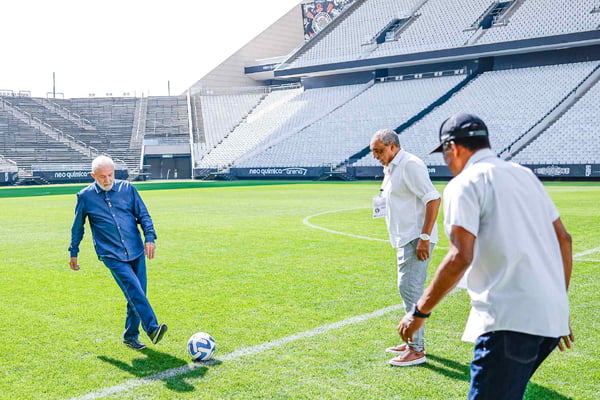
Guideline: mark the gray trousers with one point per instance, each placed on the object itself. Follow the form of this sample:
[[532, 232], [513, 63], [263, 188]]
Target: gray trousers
[[412, 274]]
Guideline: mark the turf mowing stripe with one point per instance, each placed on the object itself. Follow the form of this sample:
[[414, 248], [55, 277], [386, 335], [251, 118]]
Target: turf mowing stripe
[[245, 351]]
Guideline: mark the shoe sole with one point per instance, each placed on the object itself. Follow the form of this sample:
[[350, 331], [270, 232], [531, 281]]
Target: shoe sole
[[407, 363], [159, 335]]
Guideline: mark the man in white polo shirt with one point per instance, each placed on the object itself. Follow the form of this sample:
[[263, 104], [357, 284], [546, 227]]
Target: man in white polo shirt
[[410, 205], [507, 235]]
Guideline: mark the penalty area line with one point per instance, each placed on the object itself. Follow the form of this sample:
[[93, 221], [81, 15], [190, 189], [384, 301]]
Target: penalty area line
[[243, 352]]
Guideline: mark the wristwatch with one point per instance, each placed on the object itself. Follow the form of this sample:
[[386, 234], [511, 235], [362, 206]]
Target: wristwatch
[[416, 313], [424, 236]]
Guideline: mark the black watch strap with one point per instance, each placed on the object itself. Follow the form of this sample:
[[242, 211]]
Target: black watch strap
[[418, 313]]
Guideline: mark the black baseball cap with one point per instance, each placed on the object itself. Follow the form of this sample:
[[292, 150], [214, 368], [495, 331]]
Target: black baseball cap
[[460, 125]]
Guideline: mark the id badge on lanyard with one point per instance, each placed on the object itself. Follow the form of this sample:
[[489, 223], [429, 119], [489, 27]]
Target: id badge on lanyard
[[379, 206], [379, 201]]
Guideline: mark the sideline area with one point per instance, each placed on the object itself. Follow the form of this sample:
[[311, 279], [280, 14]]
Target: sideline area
[[53, 190], [72, 188]]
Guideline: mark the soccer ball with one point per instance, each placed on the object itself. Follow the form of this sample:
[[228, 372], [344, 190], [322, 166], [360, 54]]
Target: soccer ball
[[202, 346]]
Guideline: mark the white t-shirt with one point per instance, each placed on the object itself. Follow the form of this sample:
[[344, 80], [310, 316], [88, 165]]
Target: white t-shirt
[[516, 280], [407, 188]]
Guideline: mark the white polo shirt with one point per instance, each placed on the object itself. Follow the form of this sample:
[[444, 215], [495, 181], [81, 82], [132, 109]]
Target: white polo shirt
[[516, 280], [407, 188]]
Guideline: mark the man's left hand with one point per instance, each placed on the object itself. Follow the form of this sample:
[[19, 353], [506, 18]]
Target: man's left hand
[[408, 326], [422, 250], [149, 248]]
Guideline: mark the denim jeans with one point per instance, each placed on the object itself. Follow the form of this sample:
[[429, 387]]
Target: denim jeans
[[503, 363], [412, 274], [131, 278]]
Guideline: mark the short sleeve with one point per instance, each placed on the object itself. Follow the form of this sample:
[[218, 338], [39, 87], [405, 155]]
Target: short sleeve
[[547, 203], [418, 181], [462, 207]]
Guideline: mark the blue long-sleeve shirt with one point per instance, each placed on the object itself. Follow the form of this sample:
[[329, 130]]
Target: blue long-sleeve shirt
[[114, 216]]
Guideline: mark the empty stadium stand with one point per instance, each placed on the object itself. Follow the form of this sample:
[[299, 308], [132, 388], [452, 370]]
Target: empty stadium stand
[[529, 68], [26, 145], [380, 28], [535, 18], [573, 139], [114, 119], [509, 101], [167, 117], [332, 139], [222, 113]]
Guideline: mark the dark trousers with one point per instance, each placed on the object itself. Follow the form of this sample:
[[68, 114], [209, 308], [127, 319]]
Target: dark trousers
[[504, 362], [131, 278]]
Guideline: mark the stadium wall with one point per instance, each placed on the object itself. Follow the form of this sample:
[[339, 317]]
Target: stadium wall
[[73, 176], [439, 172], [8, 177], [352, 78]]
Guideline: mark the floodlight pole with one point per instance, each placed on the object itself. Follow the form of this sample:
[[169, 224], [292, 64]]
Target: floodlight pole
[[169, 87], [54, 85]]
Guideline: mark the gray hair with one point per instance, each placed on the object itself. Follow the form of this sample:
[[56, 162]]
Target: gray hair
[[102, 161], [386, 136]]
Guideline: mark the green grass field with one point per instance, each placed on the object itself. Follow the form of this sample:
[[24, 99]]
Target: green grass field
[[238, 262]]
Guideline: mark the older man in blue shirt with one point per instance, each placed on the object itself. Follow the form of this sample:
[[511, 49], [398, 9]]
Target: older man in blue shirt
[[114, 209]]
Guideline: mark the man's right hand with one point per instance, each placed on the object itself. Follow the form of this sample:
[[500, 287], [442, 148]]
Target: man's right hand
[[73, 264]]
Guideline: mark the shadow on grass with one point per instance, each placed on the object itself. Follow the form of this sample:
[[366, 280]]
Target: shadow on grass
[[459, 371], [162, 366]]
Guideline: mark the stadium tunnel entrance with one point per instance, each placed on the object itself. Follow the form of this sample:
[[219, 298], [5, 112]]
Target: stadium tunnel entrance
[[168, 166]]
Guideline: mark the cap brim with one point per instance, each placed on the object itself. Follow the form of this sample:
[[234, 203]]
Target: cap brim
[[437, 149]]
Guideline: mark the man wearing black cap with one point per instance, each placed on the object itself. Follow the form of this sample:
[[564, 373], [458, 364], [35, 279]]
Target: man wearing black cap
[[507, 237]]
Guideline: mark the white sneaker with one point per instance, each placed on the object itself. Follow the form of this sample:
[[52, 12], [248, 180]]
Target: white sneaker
[[409, 357]]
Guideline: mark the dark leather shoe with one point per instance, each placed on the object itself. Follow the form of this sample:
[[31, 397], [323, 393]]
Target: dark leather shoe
[[134, 344], [158, 334]]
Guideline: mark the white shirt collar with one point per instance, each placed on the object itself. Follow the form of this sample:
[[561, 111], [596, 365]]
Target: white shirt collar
[[479, 155], [396, 160]]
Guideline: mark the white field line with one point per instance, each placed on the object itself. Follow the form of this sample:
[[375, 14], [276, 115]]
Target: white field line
[[261, 348], [585, 253], [245, 351], [305, 222]]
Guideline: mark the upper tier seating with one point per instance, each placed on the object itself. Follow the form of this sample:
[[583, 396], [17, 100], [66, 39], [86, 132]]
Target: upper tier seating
[[439, 24], [345, 41], [536, 18]]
